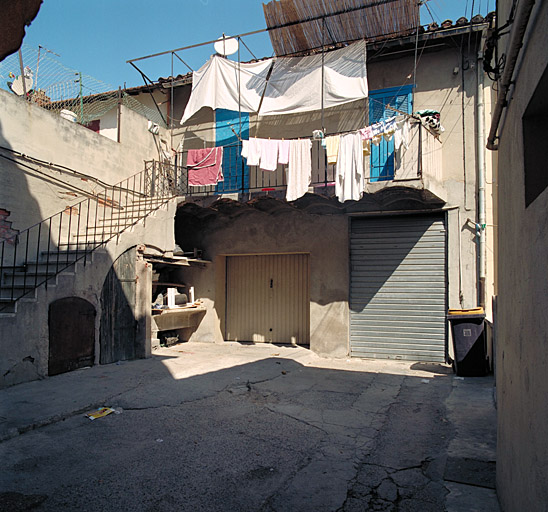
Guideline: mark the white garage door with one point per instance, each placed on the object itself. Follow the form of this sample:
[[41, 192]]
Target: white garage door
[[398, 288]]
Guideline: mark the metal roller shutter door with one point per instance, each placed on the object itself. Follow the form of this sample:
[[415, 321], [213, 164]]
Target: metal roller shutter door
[[398, 288]]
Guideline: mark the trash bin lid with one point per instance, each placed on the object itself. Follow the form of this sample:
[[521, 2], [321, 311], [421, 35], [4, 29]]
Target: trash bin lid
[[466, 313]]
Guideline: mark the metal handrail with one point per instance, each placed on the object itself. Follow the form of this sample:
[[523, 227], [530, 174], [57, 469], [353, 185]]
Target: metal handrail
[[34, 256]]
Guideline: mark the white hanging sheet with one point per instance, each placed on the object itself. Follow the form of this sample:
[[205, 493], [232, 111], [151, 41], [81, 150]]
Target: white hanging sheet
[[215, 85], [299, 171], [349, 183], [295, 84]]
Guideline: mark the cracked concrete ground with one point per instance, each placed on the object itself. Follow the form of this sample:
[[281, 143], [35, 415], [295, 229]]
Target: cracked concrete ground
[[250, 428]]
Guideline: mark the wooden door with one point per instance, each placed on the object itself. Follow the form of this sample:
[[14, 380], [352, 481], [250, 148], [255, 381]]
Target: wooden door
[[71, 335], [118, 338]]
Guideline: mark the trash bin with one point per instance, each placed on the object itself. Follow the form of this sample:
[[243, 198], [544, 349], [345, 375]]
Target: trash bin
[[469, 341]]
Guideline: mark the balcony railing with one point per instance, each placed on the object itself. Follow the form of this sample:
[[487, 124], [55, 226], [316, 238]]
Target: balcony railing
[[421, 158]]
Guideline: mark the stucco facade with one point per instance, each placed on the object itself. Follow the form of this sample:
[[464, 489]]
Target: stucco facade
[[522, 297], [447, 81]]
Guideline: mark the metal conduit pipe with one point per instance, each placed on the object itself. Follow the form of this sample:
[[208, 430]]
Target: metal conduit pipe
[[516, 43], [481, 175]]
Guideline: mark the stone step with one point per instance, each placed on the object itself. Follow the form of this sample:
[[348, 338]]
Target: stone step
[[28, 279]]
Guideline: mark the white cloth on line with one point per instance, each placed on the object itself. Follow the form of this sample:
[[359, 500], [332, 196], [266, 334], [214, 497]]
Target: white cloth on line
[[253, 151], [366, 147], [390, 127], [283, 152], [269, 155], [295, 84], [349, 182], [245, 149], [401, 135], [215, 85], [332, 148], [299, 172]]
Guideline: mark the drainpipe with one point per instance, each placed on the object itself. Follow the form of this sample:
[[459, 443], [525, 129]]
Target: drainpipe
[[481, 173], [516, 43]]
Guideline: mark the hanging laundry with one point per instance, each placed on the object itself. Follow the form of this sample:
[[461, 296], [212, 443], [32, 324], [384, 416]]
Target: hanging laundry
[[373, 133], [349, 182], [332, 148], [389, 127], [377, 129], [205, 166], [366, 133], [401, 135], [295, 84], [245, 149], [431, 119], [376, 139], [222, 83], [299, 172], [253, 152], [283, 152], [366, 147], [269, 154]]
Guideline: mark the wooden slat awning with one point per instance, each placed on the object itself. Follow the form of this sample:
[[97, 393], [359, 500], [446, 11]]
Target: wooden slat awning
[[315, 23]]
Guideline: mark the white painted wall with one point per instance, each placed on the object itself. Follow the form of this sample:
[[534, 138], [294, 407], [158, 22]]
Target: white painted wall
[[28, 194], [109, 124]]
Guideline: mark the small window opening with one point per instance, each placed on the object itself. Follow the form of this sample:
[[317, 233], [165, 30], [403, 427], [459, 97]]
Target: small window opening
[[535, 138]]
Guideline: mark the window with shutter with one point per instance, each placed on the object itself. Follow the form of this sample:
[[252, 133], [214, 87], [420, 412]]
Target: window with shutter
[[236, 176], [382, 156]]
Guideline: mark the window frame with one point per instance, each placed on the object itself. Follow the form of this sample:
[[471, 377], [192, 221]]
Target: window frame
[[382, 158]]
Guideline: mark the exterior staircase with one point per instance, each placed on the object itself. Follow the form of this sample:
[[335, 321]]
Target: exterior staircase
[[36, 256]]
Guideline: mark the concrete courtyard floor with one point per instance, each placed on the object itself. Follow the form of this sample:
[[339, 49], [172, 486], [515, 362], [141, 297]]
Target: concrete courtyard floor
[[235, 427]]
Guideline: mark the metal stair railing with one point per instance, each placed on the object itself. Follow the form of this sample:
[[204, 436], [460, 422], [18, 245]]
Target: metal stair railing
[[36, 255]]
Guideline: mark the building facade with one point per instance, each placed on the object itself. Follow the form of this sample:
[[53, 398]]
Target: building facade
[[367, 277]]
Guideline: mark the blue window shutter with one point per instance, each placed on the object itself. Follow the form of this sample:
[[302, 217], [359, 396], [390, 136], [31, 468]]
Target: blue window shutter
[[232, 157], [382, 156]]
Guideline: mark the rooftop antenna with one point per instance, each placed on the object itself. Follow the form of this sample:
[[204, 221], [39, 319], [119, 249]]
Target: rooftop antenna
[[226, 45]]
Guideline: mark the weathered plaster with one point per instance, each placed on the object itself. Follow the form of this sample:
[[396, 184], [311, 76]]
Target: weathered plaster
[[522, 316]]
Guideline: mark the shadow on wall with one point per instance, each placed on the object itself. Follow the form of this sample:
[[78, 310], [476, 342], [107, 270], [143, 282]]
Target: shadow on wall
[[59, 333], [19, 361]]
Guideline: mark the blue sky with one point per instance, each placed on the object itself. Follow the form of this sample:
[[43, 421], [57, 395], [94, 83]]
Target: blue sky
[[98, 37]]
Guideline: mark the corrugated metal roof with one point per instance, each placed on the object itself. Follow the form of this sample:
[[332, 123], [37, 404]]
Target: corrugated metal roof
[[315, 23]]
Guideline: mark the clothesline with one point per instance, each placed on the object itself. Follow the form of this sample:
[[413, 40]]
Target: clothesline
[[344, 132], [347, 151]]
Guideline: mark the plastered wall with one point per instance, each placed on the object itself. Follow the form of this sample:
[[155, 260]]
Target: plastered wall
[[24, 337], [522, 319], [324, 237], [33, 192], [446, 80]]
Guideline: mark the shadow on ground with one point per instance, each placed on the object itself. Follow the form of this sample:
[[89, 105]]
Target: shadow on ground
[[268, 435]]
